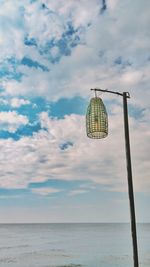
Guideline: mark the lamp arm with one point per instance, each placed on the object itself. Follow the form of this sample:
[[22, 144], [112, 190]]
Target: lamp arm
[[108, 91]]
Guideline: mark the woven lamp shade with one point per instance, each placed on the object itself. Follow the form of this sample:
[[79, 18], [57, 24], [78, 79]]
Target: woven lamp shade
[[96, 119]]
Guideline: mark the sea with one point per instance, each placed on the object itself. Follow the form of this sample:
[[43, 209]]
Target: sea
[[72, 245]]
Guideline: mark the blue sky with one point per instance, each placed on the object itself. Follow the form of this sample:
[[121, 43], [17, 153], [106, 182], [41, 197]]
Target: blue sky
[[52, 53]]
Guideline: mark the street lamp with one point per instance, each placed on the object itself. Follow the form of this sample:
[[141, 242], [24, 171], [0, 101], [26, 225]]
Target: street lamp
[[97, 127]]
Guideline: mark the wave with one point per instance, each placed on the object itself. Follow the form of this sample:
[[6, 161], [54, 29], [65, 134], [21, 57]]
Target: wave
[[8, 260], [71, 265], [12, 247], [68, 265]]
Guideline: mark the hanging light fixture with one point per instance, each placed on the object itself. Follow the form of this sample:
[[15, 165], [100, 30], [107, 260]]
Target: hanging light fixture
[[97, 127], [96, 119]]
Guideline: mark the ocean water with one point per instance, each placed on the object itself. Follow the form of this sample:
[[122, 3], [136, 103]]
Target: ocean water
[[72, 245]]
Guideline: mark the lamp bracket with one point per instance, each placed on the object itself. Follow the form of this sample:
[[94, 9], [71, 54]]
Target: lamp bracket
[[108, 91]]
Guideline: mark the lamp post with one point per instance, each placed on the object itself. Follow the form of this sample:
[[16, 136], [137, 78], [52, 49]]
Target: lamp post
[[97, 127]]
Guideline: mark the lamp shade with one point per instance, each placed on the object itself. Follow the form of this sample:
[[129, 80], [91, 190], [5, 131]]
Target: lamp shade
[[96, 119]]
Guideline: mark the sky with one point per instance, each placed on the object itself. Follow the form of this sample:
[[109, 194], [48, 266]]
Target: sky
[[52, 53]]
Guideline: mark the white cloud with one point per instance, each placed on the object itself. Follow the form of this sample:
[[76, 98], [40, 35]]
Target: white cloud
[[123, 31], [11, 31], [10, 197], [17, 102], [44, 191], [3, 101], [77, 192], [112, 4], [39, 158], [11, 121], [79, 12], [132, 77], [49, 23]]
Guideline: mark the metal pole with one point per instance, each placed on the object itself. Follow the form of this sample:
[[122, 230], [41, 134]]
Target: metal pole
[[130, 183], [126, 95]]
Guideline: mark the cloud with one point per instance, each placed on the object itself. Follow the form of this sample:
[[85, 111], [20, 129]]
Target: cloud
[[80, 13], [11, 121], [77, 192], [3, 101], [10, 197], [39, 158], [82, 49], [11, 32], [103, 39], [18, 102], [44, 191]]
